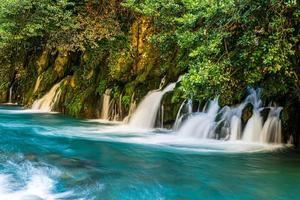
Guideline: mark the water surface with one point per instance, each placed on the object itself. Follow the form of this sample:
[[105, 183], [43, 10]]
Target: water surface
[[50, 156]]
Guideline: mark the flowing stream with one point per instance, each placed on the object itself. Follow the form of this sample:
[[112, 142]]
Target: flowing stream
[[53, 157]]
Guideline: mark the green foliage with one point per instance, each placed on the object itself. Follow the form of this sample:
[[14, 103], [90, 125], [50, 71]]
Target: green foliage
[[126, 100], [227, 45], [57, 24], [22, 20]]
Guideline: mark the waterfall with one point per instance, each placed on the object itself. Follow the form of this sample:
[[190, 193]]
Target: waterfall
[[37, 83], [231, 118], [253, 127], [146, 112], [48, 101], [254, 98], [271, 131], [201, 124], [162, 110], [10, 94], [179, 116], [235, 128], [227, 124], [185, 109], [132, 108], [290, 140], [189, 106], [105, 105]]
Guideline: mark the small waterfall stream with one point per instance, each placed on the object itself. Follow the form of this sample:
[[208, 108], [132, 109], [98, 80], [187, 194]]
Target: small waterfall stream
[[235, 128], [146, 112], [37, 83], [253, 128], [48, 101], [231, 117], [10, 94], [185, 109], [254, 125], [271, 131], [105, 105]]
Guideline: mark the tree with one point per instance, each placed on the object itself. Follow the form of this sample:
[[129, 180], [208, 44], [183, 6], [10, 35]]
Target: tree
[[228, 45]]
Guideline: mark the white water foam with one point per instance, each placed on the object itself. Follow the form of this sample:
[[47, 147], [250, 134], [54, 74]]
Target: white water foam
[[38, 186], [164, 140]]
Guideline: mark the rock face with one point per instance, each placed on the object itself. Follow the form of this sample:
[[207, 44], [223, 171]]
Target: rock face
[[129, 71]]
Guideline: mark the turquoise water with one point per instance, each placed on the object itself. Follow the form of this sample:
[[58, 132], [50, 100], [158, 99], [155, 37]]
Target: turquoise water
[[49, 156]]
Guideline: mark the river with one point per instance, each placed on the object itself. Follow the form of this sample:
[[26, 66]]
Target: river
[[51, 156]]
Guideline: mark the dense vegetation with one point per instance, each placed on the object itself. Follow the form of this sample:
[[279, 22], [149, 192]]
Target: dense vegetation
[[126, 47]]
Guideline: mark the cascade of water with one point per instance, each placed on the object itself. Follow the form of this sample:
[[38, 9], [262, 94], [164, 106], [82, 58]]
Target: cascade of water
[[37, 83], [162, 110], [201, 124], [132, 108], [48, 101], [186, 108], [231, 116], [253, 128], [254, 98], [235, 128], [189, 106], [105, 105], [254, 125], [271, 131], [179, 116], [10, 94], [228, 124], [146, 113], [115, 110], [290, 140], [120, 116]]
